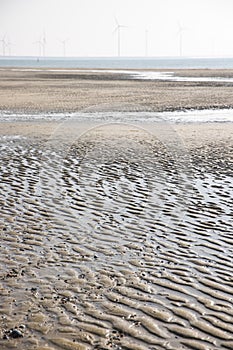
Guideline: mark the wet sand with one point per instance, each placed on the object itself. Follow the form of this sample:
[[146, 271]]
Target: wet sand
[[115, 236], [46, 90]]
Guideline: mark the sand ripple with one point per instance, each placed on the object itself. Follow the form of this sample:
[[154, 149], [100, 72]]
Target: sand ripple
[[112, 249]]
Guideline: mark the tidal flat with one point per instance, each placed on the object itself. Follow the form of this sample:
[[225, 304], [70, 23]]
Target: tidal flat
[[116, 229]]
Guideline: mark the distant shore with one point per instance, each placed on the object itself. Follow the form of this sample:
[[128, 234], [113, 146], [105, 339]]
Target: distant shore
[[59, 90]]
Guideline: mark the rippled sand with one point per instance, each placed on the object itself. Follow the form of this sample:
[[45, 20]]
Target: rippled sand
[[117, 238]]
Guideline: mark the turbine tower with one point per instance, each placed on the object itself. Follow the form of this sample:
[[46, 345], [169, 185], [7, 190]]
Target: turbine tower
[[63, 42], [146, 42], [9, 45], [40, 44], [181, 29], [4, 45], [118, 30], [43, 41]]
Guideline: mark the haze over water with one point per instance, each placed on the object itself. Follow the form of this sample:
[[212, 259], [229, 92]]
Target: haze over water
[[135, 63]]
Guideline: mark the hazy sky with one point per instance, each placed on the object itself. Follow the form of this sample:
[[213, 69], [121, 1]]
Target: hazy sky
[[206, 27]]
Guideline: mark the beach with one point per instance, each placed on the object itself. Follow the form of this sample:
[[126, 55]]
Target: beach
[[43, 90], [116, 210]]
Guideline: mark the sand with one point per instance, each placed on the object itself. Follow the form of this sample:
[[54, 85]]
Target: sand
[[43, 90], [114, 235]]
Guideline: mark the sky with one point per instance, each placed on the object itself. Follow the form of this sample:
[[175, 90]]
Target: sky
[[156, 28]]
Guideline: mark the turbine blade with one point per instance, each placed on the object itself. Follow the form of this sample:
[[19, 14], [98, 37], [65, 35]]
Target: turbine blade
[[115, 30], [117, 23]]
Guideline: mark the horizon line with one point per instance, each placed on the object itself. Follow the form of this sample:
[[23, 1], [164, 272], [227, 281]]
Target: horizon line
[[113, 57]]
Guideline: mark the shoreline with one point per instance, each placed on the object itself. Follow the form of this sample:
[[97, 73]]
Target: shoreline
[[205, 124]]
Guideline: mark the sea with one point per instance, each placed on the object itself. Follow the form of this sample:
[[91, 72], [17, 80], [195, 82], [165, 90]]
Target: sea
[[117, 63]]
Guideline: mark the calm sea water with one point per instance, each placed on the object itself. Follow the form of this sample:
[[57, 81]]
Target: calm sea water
[[143, 63]]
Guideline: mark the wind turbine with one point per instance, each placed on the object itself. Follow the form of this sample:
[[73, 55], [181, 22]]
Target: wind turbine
[[146, 42], [63, 42], [40, 45], [9, 45], [118, 30], [4, 45], [43, 41], [181, 29]]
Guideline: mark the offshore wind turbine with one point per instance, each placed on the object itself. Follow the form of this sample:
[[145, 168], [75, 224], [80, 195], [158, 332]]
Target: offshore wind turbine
[[118, 30], [9, 45], [181, 29], [39, 43], [4, 45], [63, 42], [146, 42], [43, 41]]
